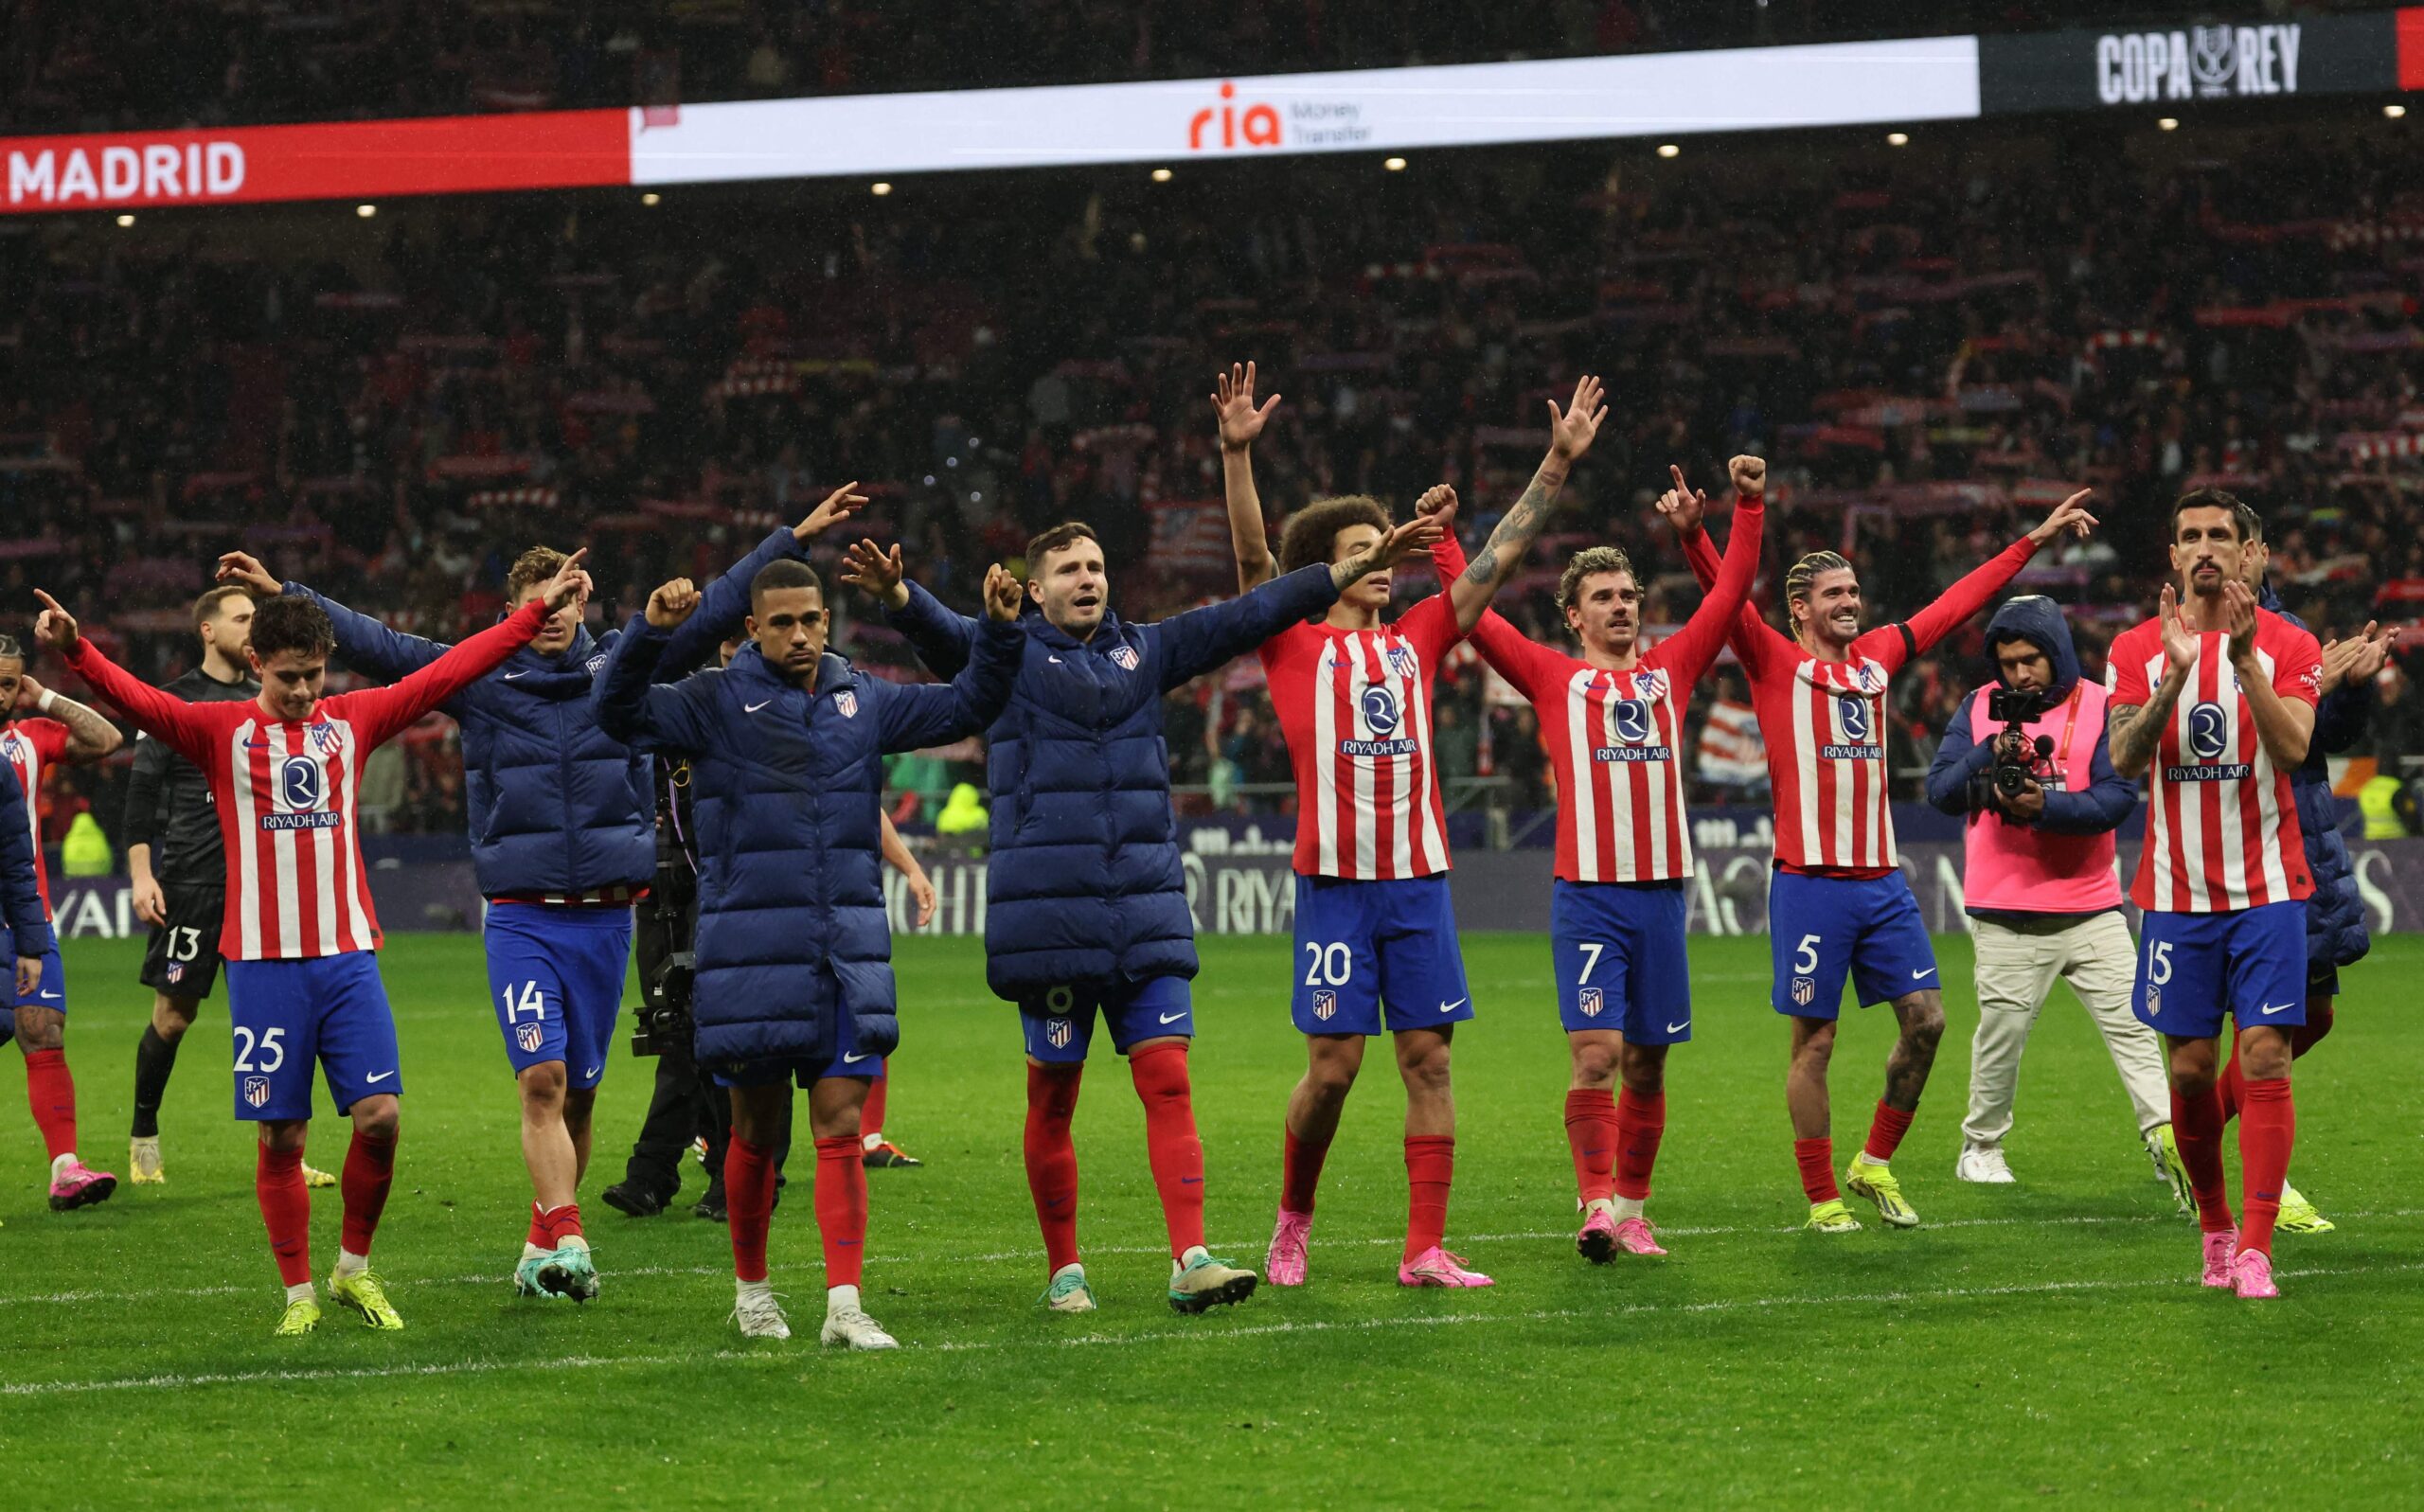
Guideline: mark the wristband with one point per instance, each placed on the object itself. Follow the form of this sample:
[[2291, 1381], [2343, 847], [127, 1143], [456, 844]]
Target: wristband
[[47, 699]]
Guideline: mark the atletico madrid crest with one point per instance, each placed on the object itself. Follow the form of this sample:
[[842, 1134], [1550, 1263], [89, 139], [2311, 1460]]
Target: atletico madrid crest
[[256, 1092], [1803, 990], [1324, 1006], [1124, 657], [1401, 660], [527, 1036], [1592, 1003], [1057, 1032], [848, 702], [325, 737]]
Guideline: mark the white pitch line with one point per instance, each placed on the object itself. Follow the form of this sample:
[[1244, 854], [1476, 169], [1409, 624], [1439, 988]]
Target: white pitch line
[[470, 1367]]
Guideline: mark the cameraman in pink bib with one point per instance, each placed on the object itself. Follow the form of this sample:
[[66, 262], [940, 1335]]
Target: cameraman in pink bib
[[2025, 760]]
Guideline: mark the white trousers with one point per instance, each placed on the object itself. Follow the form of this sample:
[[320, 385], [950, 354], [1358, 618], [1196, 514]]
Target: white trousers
[[2016, 973]]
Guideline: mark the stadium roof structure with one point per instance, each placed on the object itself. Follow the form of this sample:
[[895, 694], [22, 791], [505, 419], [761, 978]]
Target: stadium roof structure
[[1897, 82]]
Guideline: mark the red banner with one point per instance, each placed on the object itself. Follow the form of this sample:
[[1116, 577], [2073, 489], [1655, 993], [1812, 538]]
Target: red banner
[[447, 154]]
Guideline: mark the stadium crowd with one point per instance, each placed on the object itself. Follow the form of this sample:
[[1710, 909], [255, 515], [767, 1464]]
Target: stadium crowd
[[1926, 354]]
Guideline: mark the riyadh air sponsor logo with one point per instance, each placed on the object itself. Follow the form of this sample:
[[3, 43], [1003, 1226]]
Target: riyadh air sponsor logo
[[106, 175], [1380, 711], [2197, 62], [1236, 123], [302, 782], [2208, 731], [1852, 717]]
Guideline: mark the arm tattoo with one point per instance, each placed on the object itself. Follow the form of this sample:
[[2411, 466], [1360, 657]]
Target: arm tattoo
[[88, 734], [1513, 541]]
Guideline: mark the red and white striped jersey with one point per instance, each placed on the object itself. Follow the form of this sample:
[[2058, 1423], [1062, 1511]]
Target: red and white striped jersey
[[297, 887], [1616, 739], [1824, 722], [2221, 827], [32, 746], [1355, 706]]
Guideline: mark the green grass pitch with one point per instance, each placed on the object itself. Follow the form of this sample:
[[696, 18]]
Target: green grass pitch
[[2031, 1345]]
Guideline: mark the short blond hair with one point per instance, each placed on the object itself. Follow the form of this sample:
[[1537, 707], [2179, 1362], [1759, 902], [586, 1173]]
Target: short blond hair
[[532, 568]]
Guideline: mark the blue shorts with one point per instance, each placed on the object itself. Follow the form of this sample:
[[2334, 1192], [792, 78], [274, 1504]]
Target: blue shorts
[[556, 976], [1059, 1024], [1822, 929], [51, 992], [804, 1070], [1617, 950], [1360, 945], [2250, 963], [330, 1010]]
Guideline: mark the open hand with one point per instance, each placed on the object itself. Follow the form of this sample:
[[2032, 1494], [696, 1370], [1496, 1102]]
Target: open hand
[[245, 570], [2179, 641], [54, 627], [2239, 600], [839, 506], [1004, 594], [1683, 505], [1573, 429], [875, 571], [2070, 515], [1233, 405], [1419, 534], [2359, 660], [672, 603]]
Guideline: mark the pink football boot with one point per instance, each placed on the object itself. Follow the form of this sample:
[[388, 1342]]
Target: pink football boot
[[1435, 1266], [2252, 1276], [2220, 1247], [1633, 1237], [79, 1185], [1596, 1243], [1285, 1265]]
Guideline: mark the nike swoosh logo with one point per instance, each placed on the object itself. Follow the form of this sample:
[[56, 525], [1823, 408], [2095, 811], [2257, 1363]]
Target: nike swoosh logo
[[2267, 1011], [1054, 660], [382, 1076], [752, 708], [1451, 1008], [852, 1060], [1172, 1018], [591, 1072], [1920, 976], [1678, 1028], [1191, 1181], [511, 676], [49, 994]]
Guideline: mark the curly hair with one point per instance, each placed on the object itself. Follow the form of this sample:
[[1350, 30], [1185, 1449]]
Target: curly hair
[[1311, 534], [287, 624], [1588, 563]]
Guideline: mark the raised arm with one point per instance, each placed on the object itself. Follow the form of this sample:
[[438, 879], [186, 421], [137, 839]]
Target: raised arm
[[2135, 719], [1240, 422], [20, 900], [90, 734], [1571, 433], [386, 710], [1195, 642], [1688, 653], [1958, 603], [629, 703], [942, 640], [1684, 507], [725, 602], [171, 720], [1515, 656], [2282, 701], [368, 646], [913, 717]]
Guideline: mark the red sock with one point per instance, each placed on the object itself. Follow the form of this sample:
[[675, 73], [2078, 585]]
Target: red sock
[[2197, 1128], [1175, 1149], [1300, 1171], [52, 1094], [1430, 1170], [286, 1212], [748, 1204], [1641, 1123], [2231, 1087], [1816, 1158], [842, 1208], [1052, 1159], [871, 1116], [369, 1171], [1885, 1132], [2307, 1035], [550, 1227], [2268, 1126], [538, 1234], [1591, 1137]]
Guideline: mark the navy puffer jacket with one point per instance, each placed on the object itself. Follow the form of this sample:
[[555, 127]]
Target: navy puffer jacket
[[787, 786], [556, 805], [2336, 932], [1084, 886]]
